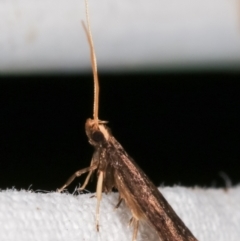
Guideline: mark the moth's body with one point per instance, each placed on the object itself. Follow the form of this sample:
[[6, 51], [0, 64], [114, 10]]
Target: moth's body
[[135, 188]]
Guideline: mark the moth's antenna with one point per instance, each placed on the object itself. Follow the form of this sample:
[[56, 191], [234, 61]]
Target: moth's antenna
[[94, 65]]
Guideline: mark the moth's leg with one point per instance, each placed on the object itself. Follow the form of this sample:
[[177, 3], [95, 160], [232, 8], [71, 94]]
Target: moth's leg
[[94, 161], [135, 223], [99, 196], [78, 174], [119, 202], [130, 221], [86, 181]]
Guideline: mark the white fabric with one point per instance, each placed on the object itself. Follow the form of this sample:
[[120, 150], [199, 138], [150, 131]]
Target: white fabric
[[128, 35], [211, 214]]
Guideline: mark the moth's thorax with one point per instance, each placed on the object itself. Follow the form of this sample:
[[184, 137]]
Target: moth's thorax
[[97, 133]]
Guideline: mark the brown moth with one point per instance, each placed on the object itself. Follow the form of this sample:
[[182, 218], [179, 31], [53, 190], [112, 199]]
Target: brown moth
[[116, 169]]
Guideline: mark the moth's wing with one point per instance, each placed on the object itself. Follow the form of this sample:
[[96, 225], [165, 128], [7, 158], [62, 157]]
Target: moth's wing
[[144, 198]]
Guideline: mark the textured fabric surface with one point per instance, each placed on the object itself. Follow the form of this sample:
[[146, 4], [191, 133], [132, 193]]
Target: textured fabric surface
[[128, 35], [211, 214]]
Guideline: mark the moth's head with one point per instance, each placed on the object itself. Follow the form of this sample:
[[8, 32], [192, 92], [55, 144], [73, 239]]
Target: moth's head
[[97, 133]]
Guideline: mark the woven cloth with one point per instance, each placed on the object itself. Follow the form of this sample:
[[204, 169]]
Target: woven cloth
[[211, 215]]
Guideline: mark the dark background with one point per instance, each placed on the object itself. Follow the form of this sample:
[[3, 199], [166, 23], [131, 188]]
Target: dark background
[[181, 128]]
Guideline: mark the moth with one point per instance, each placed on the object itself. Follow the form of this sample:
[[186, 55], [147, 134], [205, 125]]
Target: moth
[[116, 169]]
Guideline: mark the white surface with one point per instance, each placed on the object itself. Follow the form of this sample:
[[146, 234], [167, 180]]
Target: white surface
[[47, 35], [211, 214]]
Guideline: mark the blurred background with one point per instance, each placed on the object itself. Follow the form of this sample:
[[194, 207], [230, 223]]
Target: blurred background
[[169, 78]]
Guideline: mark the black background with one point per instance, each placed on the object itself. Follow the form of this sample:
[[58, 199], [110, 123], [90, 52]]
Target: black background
[[181, 128]]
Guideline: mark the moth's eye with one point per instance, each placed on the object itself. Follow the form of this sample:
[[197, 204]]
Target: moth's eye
[[97, 136]]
